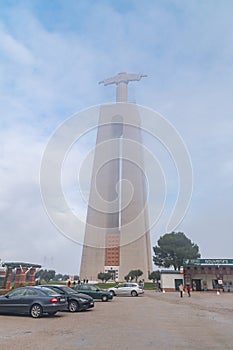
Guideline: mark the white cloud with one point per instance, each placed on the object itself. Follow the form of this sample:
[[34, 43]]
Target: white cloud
[[14, 51]]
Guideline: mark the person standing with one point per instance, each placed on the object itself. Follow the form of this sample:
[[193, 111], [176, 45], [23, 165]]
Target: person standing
[[188, 288], [181, 290]]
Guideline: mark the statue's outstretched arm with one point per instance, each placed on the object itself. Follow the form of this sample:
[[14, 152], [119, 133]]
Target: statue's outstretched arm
[[122, 77]]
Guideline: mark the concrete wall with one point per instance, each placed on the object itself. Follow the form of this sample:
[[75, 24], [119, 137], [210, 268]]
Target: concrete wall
[[168, 281], [119, 136]]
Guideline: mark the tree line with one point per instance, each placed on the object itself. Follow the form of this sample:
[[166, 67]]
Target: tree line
[[170, 251], [50, 275]]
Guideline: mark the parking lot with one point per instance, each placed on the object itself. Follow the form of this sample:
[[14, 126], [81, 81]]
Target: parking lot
[[152, 321]]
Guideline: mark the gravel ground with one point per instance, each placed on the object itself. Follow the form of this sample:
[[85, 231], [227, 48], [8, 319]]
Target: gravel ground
[[152, 321]]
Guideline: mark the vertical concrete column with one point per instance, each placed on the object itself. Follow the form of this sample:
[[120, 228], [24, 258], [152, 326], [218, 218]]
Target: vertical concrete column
[[2, 276], [117, 216], [17, 277], [103, 206], [135, 235], [31, 280], [23, 276], [122, 92], [8, 278], [20, 277]]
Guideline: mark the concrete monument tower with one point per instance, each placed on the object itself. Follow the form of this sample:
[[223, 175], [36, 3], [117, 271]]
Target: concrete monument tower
[[117, 237]]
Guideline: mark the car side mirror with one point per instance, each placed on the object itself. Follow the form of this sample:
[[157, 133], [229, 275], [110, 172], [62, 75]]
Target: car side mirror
[[7, 296]]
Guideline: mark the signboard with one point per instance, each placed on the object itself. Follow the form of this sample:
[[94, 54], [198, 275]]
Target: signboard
[[208, 261]]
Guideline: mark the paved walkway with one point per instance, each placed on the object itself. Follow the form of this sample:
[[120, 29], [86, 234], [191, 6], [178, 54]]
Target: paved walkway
[[152, 321]]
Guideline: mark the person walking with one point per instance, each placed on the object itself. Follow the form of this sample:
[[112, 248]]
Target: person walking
[[188, 288], [181, 290]]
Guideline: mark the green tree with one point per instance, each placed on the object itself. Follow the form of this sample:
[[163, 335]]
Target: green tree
[[46, 275], [154, 276], [172, 248], [104, 276], [127, 278], [133, 274]]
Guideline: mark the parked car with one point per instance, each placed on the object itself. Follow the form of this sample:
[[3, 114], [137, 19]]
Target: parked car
[[34, 301], [76, 301], [94, 291], [133, 289]]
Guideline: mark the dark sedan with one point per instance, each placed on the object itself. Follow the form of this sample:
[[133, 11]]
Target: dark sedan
[[76, 301], [94, 291], [33, 301]]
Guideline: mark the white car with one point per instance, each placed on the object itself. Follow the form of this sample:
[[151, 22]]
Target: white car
[[133, 289]]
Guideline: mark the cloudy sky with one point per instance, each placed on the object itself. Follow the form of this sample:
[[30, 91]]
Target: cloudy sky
[[54, 53]]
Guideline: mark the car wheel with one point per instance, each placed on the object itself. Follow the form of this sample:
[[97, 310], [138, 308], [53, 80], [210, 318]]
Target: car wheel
[[112, 293], [104, 298], [73, 306], [134, 293], [36, 311]]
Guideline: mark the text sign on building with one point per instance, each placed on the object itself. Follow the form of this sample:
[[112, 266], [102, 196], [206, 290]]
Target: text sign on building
[[208, 261]]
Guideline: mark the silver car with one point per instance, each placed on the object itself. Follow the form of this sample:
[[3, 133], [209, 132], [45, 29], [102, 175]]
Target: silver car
[[133, 289]]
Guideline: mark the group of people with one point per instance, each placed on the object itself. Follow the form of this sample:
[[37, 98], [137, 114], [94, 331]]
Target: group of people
[[182, 289], [69, 283]]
